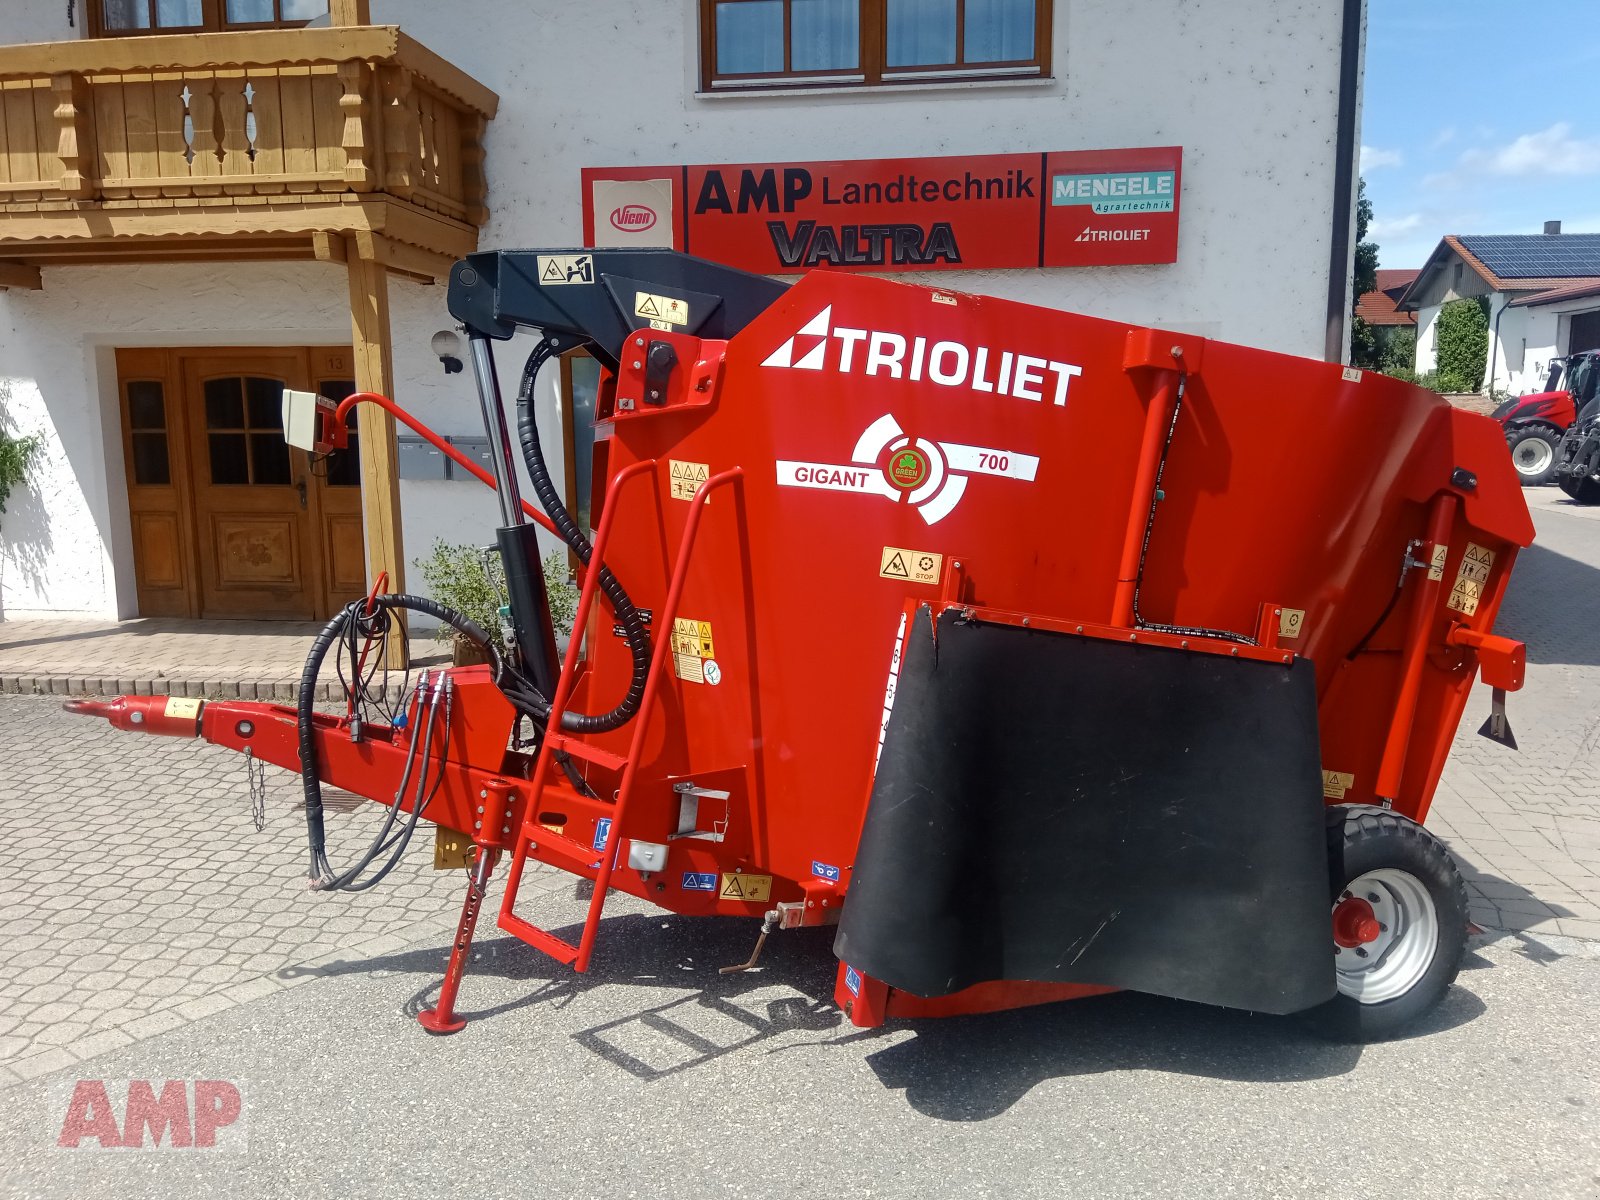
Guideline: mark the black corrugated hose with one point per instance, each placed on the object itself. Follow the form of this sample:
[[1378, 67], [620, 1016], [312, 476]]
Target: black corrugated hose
[[637, 636]]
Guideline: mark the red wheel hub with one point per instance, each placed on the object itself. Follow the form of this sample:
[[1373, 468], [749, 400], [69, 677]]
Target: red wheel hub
[[1354, 923]]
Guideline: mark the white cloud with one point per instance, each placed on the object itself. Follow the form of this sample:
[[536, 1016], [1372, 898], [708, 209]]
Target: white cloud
[[1372, 158], [1443, 138], [1398, 226], [1552, 151]]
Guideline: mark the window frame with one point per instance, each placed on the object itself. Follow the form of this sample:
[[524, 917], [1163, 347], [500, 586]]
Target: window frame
[[872, 58], [212, 20]]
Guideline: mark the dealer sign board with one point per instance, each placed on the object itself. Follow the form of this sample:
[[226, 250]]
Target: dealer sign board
[[1072, 208]]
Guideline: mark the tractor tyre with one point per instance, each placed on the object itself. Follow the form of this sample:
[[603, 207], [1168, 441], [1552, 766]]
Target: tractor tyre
[[1584, 491], [1399, 923], [1533, 453]]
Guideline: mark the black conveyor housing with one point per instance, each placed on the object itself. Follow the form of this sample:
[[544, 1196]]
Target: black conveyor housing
[[594, 296]]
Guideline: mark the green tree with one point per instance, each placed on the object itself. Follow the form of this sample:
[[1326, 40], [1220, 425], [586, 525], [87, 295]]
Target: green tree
[[1463, 344], [1364, 349]]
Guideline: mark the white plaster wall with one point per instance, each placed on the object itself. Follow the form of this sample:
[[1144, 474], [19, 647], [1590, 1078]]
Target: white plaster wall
[[1427, 338], [65, 544], [1507, 328], [68, 549], [1247, 87], [40, 21]]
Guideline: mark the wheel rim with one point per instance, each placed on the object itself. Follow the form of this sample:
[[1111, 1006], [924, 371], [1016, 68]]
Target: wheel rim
[[1393, 960], [1533, 456]]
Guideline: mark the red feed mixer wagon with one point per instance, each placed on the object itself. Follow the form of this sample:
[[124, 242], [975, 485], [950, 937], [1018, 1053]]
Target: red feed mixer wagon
[[1042, 655]]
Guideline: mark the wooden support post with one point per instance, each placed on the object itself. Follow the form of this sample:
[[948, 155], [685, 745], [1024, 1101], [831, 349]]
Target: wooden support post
[[350, 12], [380, 477]]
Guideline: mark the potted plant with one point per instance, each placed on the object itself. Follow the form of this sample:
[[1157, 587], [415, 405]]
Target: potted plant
[[468, 579]]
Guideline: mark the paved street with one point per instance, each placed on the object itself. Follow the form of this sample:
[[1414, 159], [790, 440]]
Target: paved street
[[150, 932]]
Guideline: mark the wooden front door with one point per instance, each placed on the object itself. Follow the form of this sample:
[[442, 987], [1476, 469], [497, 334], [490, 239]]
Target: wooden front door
[[228, 519]]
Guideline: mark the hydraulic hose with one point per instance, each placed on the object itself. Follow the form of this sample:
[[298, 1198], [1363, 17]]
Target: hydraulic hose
[[371, 622], [638, 638]]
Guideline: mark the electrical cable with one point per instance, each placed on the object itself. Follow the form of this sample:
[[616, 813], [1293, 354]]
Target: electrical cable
[[379, 622], [1144, 550]]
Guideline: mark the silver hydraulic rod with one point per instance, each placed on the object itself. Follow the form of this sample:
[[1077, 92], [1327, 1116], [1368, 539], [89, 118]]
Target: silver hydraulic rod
[[494, 424]]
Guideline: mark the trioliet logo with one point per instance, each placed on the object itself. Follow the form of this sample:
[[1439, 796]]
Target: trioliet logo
[[944, 363]]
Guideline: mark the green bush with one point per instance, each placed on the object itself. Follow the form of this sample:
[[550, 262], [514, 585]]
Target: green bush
[[1400, 354], [462, 577], [1463, 345]]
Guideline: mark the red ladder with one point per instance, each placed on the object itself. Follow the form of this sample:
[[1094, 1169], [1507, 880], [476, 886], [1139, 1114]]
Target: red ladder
[[532, 835]]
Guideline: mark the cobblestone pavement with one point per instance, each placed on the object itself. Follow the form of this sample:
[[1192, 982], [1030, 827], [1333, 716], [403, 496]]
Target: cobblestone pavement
[[137, 897], [1525, 825], [245, 660]]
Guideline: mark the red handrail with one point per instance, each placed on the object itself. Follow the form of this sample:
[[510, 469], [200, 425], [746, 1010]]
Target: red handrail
[[641, 719], [569, 675], [444, 447]]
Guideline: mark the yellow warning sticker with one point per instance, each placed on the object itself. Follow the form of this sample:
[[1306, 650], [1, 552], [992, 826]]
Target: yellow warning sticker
[[450, 849], [1290, 621], [178, 706], [1352, 375], [1336, 783], [687, 478], [1472, 576], [756, 889], [914, 566], [1436, 567], [666, 309], [693, 650], [692, 637]]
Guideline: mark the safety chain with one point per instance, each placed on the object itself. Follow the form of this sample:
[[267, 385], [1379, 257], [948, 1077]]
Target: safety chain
[[255, 774]]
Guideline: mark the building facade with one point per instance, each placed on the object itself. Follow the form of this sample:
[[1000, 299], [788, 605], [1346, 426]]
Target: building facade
[[209, 199], [1543, 296]]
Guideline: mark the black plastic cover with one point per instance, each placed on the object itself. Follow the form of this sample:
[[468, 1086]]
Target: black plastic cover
[[1070, 809]]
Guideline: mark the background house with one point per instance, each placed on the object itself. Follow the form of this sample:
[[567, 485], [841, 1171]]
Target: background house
[[1380, 309], [204, 200], [1543, 292]]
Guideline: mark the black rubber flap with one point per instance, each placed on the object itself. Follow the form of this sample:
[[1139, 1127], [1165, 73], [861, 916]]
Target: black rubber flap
[[1068, 809]]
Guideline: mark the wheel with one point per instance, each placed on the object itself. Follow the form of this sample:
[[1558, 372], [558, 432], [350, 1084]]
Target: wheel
[[1533, 452], [1399, 923]]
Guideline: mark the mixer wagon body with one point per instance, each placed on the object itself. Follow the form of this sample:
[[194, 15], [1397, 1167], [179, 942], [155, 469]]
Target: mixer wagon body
[[1039, 652]]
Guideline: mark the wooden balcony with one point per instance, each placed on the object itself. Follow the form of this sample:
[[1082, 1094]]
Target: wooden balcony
[[292, 143]]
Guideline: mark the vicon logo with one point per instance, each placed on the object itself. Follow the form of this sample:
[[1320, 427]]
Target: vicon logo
[[633, 218], [945, 363]]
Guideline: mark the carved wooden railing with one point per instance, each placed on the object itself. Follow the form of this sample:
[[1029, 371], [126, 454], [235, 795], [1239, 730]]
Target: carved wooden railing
[[153, 121]]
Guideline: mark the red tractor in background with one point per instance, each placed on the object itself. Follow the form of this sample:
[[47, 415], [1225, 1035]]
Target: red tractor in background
[[1535, 423]]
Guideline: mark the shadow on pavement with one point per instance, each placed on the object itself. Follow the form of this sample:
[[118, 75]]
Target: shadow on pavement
[[1553, 606], [956, 1069]]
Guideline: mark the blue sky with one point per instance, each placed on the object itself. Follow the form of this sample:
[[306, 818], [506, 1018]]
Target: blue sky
[[1479, 116]]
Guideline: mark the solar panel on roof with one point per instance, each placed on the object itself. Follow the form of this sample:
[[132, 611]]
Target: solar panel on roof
[[1537, 255]]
